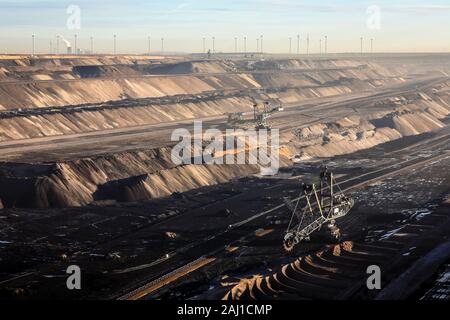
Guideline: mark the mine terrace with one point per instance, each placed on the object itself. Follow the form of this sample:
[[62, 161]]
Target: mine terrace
[[87, 177]]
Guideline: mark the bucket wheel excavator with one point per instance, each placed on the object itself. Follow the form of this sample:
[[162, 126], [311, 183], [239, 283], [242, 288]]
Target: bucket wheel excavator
[[260, 118], [324, 205]]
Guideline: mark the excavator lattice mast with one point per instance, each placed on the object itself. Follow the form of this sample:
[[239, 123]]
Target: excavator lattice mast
[[323, 207]]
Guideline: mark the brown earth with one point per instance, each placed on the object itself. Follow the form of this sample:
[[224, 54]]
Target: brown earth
[[55, 97]]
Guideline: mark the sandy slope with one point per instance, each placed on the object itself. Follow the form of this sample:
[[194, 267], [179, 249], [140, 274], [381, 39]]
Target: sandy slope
[[146, 174]]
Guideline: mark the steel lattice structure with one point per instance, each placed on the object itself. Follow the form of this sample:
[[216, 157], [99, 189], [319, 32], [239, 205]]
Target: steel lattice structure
[[323, 207]]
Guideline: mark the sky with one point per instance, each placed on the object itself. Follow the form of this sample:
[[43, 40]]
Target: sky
[[394, 26]]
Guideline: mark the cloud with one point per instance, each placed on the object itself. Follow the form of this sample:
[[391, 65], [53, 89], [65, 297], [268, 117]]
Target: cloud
[[310, 6], [177, 9]]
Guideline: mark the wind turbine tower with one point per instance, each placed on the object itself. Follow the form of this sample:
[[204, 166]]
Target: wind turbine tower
[[307, 45], [75, 44], [33, 45], [115, 44], [362, 45], [149, 45], [262, 42]]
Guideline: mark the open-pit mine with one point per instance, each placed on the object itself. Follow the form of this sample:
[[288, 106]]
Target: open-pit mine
[[87, 177]]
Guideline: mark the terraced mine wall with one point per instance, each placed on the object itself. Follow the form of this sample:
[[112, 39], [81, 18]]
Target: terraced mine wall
[[33, 109], [66, 68], [130, 176], [62, 93], [49, 108], [53, 122], [409, 116], [42, 122], [148, 174], [132, 81]]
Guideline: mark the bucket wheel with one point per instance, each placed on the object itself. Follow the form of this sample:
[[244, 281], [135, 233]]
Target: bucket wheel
[[334, 232], [289, 242]]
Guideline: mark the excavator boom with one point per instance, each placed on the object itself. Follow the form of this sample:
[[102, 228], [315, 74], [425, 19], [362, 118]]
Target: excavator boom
[[323, 207]]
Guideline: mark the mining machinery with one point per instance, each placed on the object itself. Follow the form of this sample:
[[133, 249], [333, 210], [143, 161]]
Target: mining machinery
[[260, 117], [235, 118], [324, 205]]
